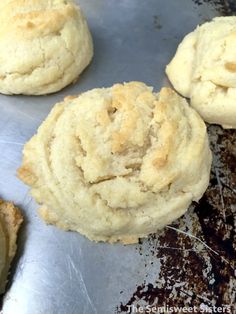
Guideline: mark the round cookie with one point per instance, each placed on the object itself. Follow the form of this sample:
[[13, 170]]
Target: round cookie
[[44, 46], [204, 69], [118, 163]]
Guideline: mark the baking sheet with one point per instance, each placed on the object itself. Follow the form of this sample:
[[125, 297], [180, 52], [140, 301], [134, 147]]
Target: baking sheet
[[63, 272]]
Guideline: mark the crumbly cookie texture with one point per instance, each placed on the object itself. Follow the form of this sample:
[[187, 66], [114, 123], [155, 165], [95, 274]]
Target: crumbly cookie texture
[[10, 221], [204, 70], [44, 45], [116, 164]]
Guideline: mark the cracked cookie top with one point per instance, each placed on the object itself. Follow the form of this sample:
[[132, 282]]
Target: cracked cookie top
[[118, 163], [204, 69], [44, 45]]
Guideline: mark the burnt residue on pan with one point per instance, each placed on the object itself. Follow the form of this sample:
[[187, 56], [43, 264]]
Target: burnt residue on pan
[[197, 253], [224, 7]]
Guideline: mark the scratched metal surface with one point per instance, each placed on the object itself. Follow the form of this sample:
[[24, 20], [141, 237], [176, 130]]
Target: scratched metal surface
[[64, 273]]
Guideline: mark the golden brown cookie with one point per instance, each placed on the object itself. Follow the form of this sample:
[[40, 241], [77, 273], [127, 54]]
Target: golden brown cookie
[[118, 163], [44, 45], [10, 221], [204, 70]]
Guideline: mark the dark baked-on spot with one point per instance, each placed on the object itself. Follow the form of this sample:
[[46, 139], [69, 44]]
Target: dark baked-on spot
[[224, 7]]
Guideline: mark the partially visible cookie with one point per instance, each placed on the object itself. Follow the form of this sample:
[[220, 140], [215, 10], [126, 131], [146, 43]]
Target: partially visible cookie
[[44, 45], [118, 163], [3, 254], [10, 221], [204, 69]]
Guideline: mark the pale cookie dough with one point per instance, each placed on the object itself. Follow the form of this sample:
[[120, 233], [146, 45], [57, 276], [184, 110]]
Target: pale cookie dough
[[44, 45], [204, 70], [10, 221], [118, 163]]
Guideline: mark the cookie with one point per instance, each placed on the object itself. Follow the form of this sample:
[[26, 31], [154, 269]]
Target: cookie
[[204, 70], [44, 46], [10, 221], [118, 163]]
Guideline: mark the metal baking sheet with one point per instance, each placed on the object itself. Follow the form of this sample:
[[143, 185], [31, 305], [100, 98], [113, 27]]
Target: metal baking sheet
[[190, 263]]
